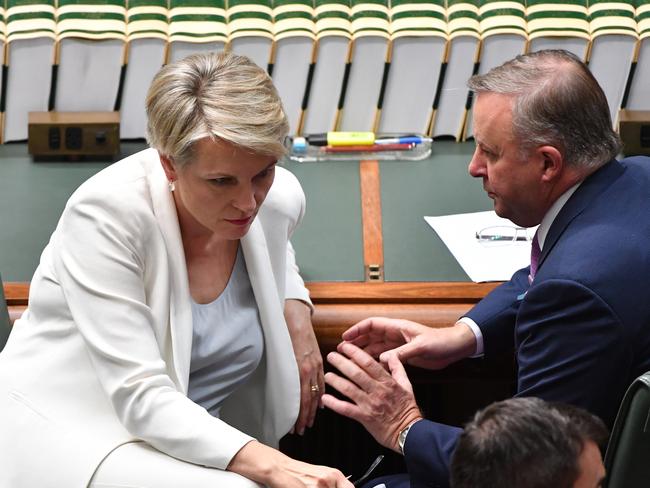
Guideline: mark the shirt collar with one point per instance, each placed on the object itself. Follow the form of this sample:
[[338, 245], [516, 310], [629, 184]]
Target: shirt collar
[[547, 221]]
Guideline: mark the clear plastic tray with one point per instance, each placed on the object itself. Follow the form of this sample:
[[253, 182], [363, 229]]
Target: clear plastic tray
[[316, 153]]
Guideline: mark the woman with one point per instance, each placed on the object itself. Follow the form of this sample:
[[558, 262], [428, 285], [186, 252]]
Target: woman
[[155, 352]]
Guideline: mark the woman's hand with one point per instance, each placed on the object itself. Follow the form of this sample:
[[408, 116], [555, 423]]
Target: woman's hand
[[276, 470], [309, 360]]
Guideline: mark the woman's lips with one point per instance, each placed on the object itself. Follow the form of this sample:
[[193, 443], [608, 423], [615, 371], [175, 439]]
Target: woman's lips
[[239, 222]]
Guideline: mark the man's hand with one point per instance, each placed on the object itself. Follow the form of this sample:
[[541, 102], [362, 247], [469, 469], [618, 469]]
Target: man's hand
[[382, 401], [413, 343], [309, 360]]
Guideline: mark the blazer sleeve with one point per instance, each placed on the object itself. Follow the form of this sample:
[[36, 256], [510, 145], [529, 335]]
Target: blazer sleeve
[[427, 453], [496, 314], [100, 249], [281, 215]]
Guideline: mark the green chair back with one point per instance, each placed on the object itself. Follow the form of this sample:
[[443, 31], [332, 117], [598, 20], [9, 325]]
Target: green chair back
[[627, 459], [5, 323]]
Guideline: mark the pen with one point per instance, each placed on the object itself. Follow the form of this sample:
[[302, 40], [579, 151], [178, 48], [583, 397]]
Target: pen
[[402, 140], [369, 148]]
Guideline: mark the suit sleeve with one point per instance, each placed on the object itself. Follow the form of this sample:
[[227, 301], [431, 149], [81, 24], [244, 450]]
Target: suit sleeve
[[427, 453], [571, 347], [497, 312]]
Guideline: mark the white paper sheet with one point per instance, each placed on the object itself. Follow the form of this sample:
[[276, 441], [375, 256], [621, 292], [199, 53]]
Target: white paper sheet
[[481, 261]]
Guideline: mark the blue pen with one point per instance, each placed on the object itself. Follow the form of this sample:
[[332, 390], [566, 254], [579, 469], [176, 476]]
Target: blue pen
[[403, 140]]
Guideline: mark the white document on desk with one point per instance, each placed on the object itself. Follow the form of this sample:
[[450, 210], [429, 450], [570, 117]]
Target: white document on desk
[[481, 262]]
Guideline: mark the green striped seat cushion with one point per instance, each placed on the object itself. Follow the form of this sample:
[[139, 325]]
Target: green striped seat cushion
[[557, 18], [418, 18], [293, 18], [333, 18], [370, 18], [147, 19], [29, 19], [197, 21], [91, 19], [3, 25], [463, 18], [611, 17], [250, 18], [642, 17], [502, 17]]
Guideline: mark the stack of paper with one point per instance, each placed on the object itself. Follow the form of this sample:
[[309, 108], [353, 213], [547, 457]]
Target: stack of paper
[[482, 261]]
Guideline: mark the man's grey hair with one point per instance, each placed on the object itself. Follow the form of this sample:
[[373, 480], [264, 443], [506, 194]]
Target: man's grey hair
[[222, 96], [557, 102]]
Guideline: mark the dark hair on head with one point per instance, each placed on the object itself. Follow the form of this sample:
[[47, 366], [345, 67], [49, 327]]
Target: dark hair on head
[[524, 442], [557, 102]]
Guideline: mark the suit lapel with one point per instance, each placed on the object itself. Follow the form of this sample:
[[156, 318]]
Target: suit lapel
[[180, 310], [593, 186]]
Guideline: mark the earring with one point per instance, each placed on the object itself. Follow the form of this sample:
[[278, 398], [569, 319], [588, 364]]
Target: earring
[[172, 185]]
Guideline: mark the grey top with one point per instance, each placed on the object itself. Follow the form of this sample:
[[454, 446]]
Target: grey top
[[227, 344]]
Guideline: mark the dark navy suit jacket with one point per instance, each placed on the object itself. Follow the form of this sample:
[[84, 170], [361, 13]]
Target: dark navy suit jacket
[[581, 331]]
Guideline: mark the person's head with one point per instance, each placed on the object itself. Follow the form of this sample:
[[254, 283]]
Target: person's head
[[541, 124], [219, 126], [530, 443]]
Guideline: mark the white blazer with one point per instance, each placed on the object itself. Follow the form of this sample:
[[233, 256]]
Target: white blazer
[[101, 357]]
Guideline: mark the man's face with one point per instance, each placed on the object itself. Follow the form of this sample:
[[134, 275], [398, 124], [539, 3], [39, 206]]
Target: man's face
[[592, 471], [510, 180]]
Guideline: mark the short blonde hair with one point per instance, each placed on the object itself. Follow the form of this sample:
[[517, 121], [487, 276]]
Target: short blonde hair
[[217, 95]]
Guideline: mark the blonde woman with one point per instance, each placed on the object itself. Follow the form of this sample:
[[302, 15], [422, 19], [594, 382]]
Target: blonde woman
[[155, 350]]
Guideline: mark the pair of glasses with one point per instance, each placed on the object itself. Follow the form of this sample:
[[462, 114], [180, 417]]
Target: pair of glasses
[[368, 472], [503, 234]]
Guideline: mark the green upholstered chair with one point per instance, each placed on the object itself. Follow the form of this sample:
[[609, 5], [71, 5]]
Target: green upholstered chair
[[146, 36], [418, 36], [294, 34], [464, 34], [5, 323], [195, 26], [333, 35], [614, 38], [90, 36], [31, 32], [627, 459], [370, 38], [558, 26], [250, 29]]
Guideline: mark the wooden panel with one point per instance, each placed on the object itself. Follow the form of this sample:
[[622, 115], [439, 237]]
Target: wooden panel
[[399, 292], [373, 242]]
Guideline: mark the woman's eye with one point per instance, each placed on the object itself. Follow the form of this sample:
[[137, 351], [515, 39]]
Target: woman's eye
[[266, 172], [221, 181]]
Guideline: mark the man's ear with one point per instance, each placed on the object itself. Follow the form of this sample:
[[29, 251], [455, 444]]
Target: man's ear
[[552, 162], [168, 167]]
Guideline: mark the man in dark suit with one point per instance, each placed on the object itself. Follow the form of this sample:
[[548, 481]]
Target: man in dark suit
[[578, 317]]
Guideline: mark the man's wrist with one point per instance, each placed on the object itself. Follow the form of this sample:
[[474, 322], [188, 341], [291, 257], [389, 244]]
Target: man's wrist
[[478, 335], [401, 436]]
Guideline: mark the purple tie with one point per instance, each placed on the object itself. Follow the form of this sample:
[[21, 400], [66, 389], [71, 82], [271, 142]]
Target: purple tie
[[535, 252]]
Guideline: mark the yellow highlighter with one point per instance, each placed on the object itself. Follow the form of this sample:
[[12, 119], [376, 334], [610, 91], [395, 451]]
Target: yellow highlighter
[[342, 139]]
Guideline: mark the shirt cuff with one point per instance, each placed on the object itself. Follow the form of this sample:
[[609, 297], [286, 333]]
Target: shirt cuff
[[477, 333]]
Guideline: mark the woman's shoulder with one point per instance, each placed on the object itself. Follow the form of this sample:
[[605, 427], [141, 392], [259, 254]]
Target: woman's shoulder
[[123, 187], [286, 195]]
